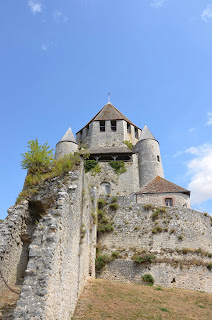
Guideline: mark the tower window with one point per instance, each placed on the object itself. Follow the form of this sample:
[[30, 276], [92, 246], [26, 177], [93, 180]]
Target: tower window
[[102, 125], [158, 158], [136, 133], [128, 128], [169, 202], [113, 125]]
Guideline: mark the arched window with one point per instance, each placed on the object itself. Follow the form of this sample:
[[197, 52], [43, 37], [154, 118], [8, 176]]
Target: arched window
[[105, 188]]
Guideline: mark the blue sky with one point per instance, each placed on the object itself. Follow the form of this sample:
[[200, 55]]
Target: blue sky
[[59, 59]]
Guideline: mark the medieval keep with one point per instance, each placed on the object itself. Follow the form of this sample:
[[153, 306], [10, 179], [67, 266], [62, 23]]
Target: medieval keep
[[110, 136], [112, 216]]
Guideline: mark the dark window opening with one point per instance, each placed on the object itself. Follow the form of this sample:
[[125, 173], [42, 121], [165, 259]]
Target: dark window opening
[[136, 133], [113, 125], [128, 128], [169, 202], [158, 158], [110, 157], [102, 125]]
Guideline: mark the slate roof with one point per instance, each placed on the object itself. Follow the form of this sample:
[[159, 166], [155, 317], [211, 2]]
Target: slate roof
[[68, 136], [109, 150], [161, 185], [109, 112], [146, 134]]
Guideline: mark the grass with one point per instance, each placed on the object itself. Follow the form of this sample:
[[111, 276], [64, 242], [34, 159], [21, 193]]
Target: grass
[[104, 299]]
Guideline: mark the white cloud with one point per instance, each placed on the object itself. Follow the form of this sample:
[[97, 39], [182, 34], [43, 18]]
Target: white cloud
[[200, 172], [44, 47], [59, 17], [157, 3], [35, 6], [209, 122], [207, 13], [191, 130]]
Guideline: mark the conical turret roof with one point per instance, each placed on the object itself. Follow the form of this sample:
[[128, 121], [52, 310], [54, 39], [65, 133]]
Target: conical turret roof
[[109, 112], [68, 136], [146, 134]]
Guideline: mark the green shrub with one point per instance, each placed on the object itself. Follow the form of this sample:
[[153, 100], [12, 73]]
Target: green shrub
[[104, 224], [101, 261], [185, 251], [209, 266], [90, 164], [114, 206], [38, 158], [148, 278], [148, 206], [128, 144], [114, 199], [118, 166], [148, 258], [115, 255], [65, 164], [101, 203]]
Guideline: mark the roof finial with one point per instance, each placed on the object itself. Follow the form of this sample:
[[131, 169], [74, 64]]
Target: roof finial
[[108, 97]]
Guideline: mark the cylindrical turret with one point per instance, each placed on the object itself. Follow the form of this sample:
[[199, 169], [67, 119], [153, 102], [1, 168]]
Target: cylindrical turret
[[66, 145], [149, 159]]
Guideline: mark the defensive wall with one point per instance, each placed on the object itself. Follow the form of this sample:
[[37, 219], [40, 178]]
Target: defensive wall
[[179, 239], [51, 254]]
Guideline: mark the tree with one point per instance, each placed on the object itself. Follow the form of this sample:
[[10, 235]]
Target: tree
[[38, 158]]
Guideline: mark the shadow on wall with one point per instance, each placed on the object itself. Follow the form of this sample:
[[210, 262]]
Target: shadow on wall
[[36, 212]]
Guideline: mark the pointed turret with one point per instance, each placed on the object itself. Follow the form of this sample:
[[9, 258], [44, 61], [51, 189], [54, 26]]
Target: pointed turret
[[66, 145], [149, 159], [146, 134]]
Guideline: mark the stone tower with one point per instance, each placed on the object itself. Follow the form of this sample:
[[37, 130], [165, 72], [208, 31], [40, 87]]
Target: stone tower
[[149, 159], [66, 145]]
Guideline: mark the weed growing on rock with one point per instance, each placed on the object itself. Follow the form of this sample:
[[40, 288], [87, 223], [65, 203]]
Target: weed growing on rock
[[118, 166], [148, 278]]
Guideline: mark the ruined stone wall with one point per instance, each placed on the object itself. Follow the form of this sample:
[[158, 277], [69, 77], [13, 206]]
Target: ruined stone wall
[[61, 250], [165, 274], [179, 199], [177, 237], [15, 235]]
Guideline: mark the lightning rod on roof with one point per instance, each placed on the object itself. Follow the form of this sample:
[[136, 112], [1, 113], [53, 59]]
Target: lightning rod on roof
[[108, 96]]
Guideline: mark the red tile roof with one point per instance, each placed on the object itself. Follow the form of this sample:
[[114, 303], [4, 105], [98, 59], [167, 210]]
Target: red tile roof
[[161, 185]]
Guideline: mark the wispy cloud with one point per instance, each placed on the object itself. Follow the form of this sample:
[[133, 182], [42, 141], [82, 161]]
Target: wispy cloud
[[200, 172], [191, 130], [44, 47], [207, 13], [59, 17], [209, 122], [157, 3], [35, 6]]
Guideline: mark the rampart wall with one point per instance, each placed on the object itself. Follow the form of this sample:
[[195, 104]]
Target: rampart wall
[[61, 251], [180, 240]]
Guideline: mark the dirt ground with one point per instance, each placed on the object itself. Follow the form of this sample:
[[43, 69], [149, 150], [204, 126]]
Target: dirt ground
[[104, 299]]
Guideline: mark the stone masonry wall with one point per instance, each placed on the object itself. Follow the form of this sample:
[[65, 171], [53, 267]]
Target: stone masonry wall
[[123, 184], [15, 235], [61, 256], [179, 199], [179, 238]]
